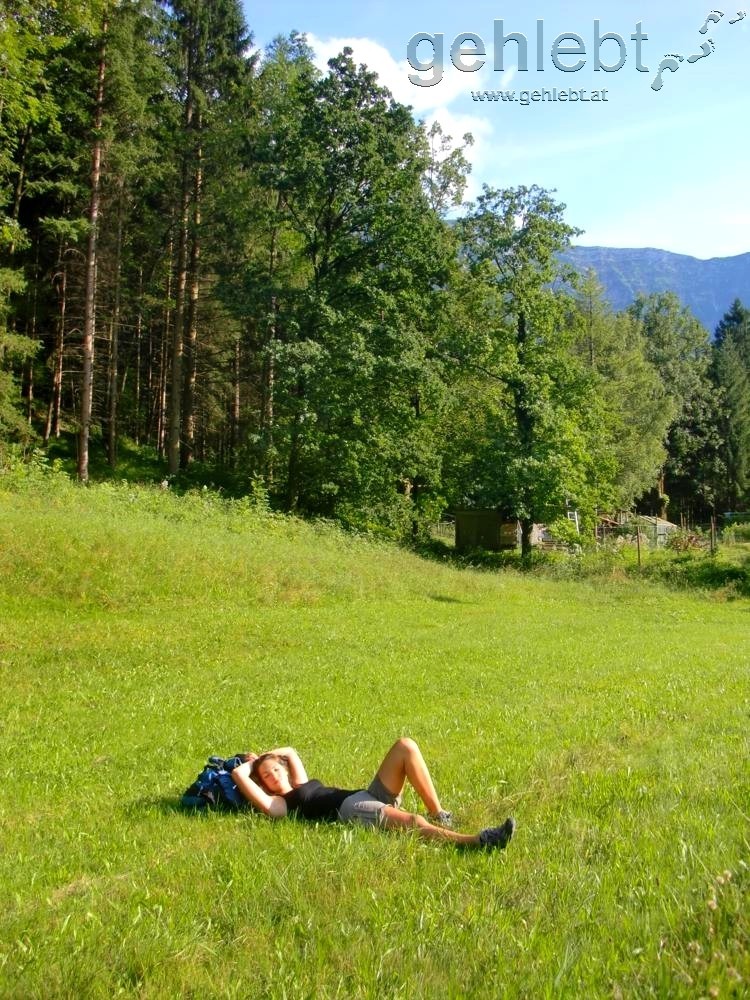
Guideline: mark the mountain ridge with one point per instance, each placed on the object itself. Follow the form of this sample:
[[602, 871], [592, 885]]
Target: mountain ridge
[[707, 287]]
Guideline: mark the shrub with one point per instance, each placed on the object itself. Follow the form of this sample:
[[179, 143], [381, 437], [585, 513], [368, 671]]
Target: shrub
[[687, 541], [697, 570], [564, 531], [736, 533]]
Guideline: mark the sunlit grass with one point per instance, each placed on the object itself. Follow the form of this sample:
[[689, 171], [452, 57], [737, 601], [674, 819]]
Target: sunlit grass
[[140, 632]]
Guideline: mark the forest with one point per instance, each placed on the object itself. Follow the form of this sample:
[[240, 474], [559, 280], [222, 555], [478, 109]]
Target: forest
[[268, 279]]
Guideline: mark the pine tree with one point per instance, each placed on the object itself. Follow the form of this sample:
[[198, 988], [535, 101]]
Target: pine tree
[[731, 373], [24, 101], [679, 348], [211, 43], [735, 323]]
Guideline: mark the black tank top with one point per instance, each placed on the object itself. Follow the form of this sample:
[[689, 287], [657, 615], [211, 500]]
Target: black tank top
[[314, 800]]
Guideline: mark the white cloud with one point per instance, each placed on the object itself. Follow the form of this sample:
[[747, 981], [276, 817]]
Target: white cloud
[[480, 154], [394, 73], [507, 78], [429, 103]]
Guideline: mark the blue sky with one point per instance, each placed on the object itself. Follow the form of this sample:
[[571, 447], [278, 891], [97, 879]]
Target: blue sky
[[664, 169]]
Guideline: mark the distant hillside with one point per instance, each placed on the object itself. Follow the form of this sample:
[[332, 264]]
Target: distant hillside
[[708, 287]]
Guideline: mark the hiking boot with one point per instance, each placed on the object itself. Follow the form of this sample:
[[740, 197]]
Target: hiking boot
[[497, 836]]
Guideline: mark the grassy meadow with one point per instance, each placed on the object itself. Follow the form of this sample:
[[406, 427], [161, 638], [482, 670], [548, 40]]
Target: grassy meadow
[[141, 632]]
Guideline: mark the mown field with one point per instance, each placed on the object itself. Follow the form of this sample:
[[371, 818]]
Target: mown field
[[141, 632]]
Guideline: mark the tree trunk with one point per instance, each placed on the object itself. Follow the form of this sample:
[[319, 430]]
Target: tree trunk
[[3, 76], [267, 400], [30, 391], [525, 427], [234, 434], [662, 487], [268, 376], [150, 382], [114, 342], [138, 360], [53, 414], [292, 487], [160, 400], [32, 334], [527, 526], [175, 399], [191, 345], [89, 318], [18, 190]]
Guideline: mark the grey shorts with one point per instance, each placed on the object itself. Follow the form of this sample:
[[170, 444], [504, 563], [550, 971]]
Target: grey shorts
[[366, 807]]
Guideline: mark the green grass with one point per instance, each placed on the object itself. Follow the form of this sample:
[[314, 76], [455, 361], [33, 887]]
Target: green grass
[[140, 632], [134, 462], [140, 463]]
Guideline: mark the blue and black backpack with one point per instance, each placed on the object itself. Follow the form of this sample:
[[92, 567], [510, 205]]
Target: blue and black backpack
[[214, 788]]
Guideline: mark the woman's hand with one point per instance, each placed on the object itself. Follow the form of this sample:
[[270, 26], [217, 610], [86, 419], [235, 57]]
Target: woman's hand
[[297, 772]]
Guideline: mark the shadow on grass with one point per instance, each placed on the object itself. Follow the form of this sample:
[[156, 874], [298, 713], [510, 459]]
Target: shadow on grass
[[166, 805], [482, 559], [172, 805]]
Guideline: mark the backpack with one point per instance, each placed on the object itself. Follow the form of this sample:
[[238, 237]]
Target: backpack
[[214, 788]]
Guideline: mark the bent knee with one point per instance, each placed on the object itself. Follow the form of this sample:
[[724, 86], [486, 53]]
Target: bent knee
[[407, 743]]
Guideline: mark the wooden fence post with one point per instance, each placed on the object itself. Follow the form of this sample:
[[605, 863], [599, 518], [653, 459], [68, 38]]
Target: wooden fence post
[[638, 541]]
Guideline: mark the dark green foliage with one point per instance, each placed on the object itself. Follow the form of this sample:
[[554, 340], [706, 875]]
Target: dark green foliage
[[339, 289], [731, 373], [637, 406], [280, 305], [691, 571], [735, 324], [542, 445], [680, 350]]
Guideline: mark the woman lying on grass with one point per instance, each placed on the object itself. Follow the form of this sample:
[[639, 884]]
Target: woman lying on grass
[[277, 784]]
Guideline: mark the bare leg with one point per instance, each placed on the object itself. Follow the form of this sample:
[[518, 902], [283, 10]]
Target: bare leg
[[398, 819], [404, 760], [495, 837]]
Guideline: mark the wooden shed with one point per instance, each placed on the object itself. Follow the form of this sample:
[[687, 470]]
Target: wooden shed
[[486, 529]]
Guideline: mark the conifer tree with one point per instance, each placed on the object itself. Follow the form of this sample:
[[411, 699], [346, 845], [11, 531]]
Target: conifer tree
[[679, 348], [731, 374], [211, 42]]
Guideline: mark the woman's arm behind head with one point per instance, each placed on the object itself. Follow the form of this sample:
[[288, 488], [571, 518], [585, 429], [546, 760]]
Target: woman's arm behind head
[[272, 805], [293, 764]]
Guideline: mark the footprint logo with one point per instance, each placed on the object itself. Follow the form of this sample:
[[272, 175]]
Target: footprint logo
[[673, 60], [670, 62]]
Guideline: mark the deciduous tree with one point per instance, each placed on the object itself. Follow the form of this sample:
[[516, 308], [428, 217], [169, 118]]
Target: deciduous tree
[[540, 449]]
